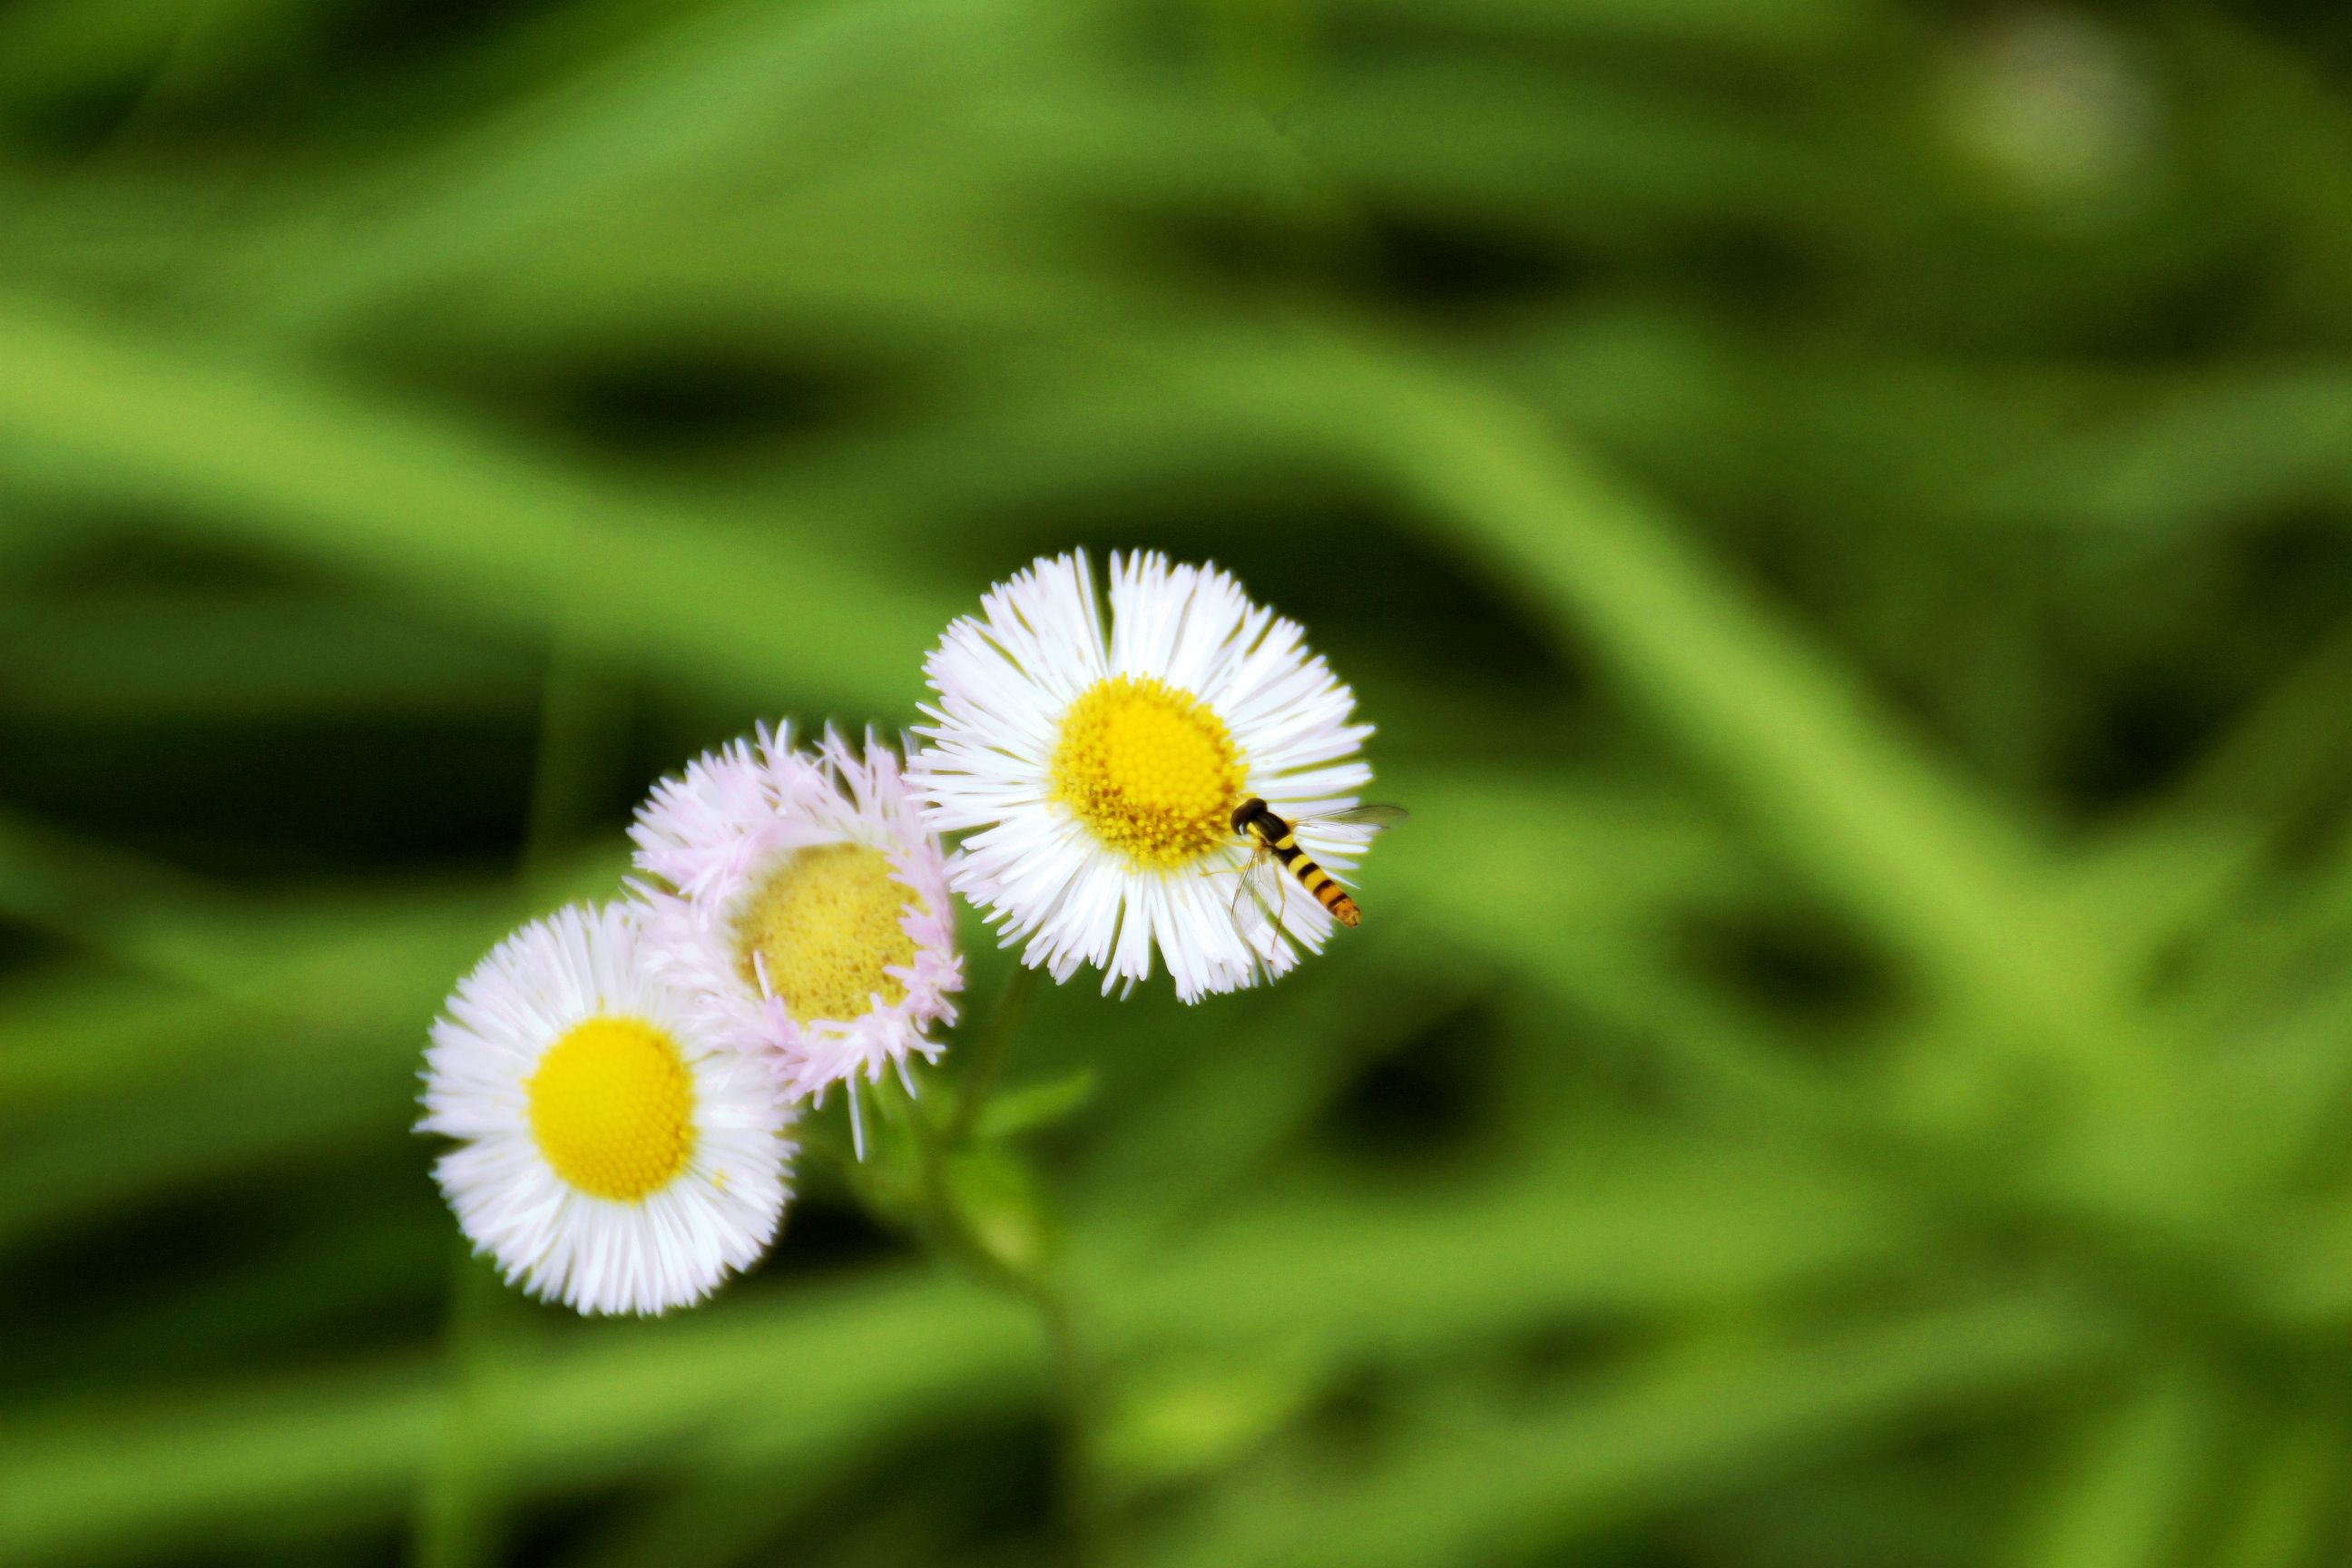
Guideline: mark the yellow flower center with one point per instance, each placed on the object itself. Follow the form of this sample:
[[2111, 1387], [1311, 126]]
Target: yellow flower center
[[1149, 770], [826, 925], [612, 1107]]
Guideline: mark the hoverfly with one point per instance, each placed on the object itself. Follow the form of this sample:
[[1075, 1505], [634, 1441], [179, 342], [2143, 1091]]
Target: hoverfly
[[1274, 848]]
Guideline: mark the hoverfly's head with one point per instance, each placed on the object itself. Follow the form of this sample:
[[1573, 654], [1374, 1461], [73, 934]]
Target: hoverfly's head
[[1243, 812]]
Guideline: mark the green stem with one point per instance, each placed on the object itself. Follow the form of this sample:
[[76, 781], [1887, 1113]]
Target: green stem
[[1079, 1495], [457, 1518], [1025, 1278], [987, 1055]]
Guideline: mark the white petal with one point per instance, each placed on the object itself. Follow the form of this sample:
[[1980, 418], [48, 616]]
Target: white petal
[[715, 1217]]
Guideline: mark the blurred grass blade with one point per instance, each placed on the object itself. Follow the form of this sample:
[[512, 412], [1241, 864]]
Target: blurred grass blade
[[2137, 1480], [1796, 735], [1522, 1488], [440, 516]]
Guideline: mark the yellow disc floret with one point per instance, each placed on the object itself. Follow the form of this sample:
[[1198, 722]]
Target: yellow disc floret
[[825, 926], [1151, 770], [612, 1106]]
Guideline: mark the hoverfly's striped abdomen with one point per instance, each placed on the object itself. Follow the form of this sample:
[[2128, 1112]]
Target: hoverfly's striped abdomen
[[1254, 819]]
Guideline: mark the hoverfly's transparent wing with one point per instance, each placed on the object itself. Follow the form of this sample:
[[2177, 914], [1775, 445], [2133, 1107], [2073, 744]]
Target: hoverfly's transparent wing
[[1257, 902], [1375, 817], [1257, 907]]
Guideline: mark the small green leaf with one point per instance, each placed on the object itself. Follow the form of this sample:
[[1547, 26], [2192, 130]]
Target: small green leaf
[[1036, 1105], [997, 1203], [1180, 1420]]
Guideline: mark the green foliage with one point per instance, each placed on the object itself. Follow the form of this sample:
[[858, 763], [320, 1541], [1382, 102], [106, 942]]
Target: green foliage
[[1839, 511]]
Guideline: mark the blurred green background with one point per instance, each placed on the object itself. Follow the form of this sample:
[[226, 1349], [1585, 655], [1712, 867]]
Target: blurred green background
[[1842, 511]]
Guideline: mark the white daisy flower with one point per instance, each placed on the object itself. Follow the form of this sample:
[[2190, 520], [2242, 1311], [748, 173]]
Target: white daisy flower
[[614, 1156], [1097, 770], [811, 920]]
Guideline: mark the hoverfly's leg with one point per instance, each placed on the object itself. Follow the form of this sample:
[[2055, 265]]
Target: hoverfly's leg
[[1258, 904], [1245, 916], [1281, 930]]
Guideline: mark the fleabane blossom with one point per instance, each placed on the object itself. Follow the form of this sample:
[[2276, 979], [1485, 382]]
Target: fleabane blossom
[[805, 910], [1097, 768], [613, 1155]]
